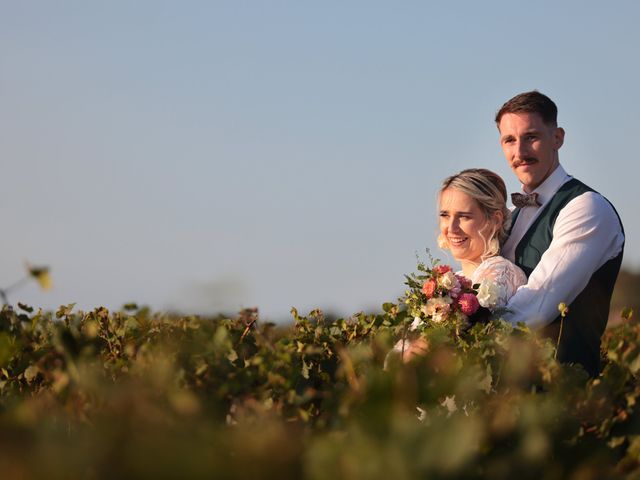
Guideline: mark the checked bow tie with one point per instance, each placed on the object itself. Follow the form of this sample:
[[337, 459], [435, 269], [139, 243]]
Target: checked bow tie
[[520, 200]]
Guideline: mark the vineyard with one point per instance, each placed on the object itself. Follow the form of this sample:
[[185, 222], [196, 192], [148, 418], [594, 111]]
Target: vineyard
[[135, 393]]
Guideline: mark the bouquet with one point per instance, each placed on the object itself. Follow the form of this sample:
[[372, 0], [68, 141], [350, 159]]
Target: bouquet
[[437, 295]]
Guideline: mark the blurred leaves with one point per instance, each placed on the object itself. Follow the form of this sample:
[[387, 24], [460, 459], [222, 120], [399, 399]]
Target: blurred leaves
[[138, 394]]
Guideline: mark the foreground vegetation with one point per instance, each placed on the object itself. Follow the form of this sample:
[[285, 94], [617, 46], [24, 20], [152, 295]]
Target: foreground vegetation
[[139, 394]]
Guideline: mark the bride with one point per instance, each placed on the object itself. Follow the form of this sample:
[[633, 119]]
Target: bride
[[474, 220]]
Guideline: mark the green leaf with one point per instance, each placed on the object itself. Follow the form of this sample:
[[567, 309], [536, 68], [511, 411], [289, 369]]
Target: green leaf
[[65, 310], [131, 324], [232, 356], [24, 307]]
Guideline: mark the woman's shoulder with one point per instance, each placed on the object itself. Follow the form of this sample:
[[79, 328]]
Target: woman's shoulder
[[502, 273], [498, 266], [497, 262]]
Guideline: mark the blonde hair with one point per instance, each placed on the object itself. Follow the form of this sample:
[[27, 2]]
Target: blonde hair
[[490, 193]]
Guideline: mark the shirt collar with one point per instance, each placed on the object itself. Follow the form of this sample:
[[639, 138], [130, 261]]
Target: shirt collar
[[550, 186]]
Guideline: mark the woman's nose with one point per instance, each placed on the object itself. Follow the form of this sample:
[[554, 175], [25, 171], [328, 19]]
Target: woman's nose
[[454, 224]]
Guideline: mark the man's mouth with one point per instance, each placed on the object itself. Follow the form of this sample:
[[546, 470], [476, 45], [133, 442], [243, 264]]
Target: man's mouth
[[524, 162]]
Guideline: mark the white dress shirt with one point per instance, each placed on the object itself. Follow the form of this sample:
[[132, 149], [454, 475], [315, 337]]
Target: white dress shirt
[[586, 234]]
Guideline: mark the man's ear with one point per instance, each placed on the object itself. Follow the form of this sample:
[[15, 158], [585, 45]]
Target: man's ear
[[558, 138]]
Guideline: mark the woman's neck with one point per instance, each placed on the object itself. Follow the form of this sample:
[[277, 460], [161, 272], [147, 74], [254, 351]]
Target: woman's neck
[[468, 267]]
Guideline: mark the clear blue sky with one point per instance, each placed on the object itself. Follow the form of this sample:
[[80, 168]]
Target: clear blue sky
[[204, 156]]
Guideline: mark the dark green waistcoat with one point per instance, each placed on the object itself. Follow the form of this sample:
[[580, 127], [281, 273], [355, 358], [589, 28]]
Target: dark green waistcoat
[[582, 328]]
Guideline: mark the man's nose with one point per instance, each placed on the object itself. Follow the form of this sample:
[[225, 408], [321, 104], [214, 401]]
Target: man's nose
[[521, 149]]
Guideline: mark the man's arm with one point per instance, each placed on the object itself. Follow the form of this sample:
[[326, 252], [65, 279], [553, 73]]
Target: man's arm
[[586, 234]]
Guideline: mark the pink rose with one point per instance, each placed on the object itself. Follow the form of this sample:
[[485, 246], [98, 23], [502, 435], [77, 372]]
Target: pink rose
[[442, 269], [429, 288], [468, 303]]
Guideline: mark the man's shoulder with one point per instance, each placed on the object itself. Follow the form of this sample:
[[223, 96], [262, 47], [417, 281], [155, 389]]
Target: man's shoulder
[[591, 207], [575, 185], [578, 192], [585, 195]]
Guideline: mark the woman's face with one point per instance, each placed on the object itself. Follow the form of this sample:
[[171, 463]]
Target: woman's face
[[463, 225]]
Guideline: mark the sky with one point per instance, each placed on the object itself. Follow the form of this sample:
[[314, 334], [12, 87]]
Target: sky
[[206, 156]]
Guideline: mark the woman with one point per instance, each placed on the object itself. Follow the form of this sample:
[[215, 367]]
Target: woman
[[474, 219]]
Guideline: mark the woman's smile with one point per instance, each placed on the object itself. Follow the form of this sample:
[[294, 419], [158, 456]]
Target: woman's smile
[[457, 241]]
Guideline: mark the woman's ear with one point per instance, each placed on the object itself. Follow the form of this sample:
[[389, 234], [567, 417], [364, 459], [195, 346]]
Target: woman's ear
[[498, 219]]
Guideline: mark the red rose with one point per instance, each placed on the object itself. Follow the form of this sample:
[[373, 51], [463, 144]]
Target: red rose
[[442, 269], [429, 287]]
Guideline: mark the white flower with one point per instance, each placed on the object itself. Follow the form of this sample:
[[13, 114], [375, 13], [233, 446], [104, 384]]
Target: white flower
[[440, 316], [448, 280], [450, 404], [438, 308], [423, 416], [489, 293], [417, 321]]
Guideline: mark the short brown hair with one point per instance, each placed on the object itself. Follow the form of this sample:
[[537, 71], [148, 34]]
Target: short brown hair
[[531, 102]]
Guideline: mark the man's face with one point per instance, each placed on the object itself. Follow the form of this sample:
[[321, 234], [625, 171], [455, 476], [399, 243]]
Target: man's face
[[531, 147]]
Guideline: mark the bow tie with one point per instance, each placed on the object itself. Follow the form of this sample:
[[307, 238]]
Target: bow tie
[[521, 200]]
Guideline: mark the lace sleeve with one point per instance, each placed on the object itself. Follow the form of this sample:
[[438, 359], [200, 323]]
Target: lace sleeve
[[499, 279]]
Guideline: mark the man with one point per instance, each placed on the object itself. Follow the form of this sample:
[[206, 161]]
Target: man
[[566, 237]]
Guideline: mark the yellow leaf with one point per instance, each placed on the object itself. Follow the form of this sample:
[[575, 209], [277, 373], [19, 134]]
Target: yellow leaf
[[42, 276]]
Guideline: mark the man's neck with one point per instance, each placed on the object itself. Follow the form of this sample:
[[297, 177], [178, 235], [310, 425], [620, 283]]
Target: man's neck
[[531, 190]]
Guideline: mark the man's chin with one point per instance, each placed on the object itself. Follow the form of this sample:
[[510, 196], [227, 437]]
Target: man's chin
[[528, 182]]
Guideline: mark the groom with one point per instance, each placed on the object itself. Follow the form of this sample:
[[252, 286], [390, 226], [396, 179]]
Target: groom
[[566, 237]]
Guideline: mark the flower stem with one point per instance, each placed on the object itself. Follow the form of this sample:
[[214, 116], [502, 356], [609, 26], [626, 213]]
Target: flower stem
[[4, 291]]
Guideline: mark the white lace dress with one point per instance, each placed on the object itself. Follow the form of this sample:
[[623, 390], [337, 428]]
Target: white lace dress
[[504, 274]]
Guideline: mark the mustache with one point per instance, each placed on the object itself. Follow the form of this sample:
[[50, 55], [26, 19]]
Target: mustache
[[523, 161]]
